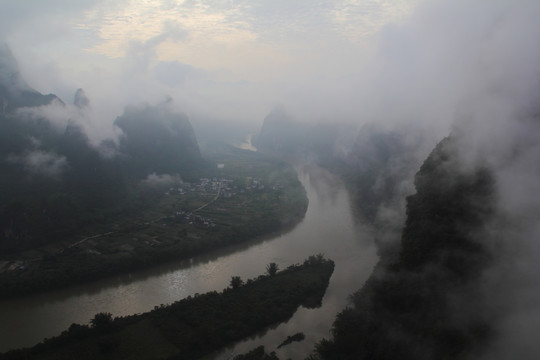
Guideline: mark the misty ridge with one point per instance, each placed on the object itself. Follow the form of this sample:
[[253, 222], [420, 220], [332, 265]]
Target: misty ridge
[[436, 135], [46, 149], [464, 229]]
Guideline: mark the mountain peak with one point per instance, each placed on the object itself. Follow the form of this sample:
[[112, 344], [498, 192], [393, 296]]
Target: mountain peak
[[10, 77], [14, 91], [80, 99]]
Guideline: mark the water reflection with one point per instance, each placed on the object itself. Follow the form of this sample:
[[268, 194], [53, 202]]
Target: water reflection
[[247, 145], [328, 228]]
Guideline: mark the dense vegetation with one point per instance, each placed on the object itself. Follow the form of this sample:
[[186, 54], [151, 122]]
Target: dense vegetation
[[157, 141], [193, 327], [410, 307], [72, 211], [257, 354], [156, 233], [55, 183]]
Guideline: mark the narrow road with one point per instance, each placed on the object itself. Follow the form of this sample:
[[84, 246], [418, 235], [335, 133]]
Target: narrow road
[[211, 201], [91, 237], [157, 220]]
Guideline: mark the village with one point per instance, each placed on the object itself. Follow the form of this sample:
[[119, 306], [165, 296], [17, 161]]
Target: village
[[199, 195], [221, 187]]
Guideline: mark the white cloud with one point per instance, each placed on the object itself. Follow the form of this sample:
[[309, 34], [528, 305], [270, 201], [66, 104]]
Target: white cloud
[[154, 179], [41, 162]]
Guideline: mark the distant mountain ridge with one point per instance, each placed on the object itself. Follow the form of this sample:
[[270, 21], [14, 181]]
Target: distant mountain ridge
[[157, 141], [14, 91], [55, 181], [282, 135]]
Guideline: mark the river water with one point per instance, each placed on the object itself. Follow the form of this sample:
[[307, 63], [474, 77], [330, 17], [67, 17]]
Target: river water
[[329, 227]]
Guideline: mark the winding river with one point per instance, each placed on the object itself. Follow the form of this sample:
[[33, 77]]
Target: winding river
[[329, 227]]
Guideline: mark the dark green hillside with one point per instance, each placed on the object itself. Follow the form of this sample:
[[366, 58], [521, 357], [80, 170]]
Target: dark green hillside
[[157, 141], [162, 218], [56, 184], [51, 180], [42, 207], [404, 311], [73, 211], [450, 206]]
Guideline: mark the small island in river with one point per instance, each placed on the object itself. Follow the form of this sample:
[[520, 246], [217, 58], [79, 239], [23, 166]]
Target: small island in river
[[195, 326]]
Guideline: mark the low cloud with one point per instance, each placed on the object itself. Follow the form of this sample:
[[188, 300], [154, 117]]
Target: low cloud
[[60, 115], [41, 162], [154, 179]]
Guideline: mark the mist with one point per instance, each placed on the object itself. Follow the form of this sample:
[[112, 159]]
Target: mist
[[467, 68]]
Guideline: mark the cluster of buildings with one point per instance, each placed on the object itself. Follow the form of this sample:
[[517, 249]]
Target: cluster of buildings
[[186, 217], [254, 183], [221, 187], [205, 185], [224, 186]]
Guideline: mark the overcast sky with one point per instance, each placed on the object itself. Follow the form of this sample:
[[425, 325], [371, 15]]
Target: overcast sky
[[427, 61], [230, 59]]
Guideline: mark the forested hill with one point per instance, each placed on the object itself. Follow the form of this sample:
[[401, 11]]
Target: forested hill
[[282, 135], [416, 305], [157, 141], [56, 182]]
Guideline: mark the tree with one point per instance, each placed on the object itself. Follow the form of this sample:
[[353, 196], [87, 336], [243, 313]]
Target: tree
[[272, 268], [101, 320], [236, 282]]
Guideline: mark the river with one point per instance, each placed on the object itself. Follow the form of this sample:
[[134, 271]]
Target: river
[[329, 227]]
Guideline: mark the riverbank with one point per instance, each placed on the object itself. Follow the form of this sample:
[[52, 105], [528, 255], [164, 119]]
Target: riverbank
[[195, 326], [247, 196], [329, 227]]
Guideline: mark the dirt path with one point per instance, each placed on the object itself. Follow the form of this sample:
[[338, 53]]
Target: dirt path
[[210, 202]]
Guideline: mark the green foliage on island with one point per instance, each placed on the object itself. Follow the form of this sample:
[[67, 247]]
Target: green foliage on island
[[257, 354], [272, 268], [290, 339], [195, 326], [414, 305]]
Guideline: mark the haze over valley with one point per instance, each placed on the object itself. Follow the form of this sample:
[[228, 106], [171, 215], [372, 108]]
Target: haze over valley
[[269, 180]]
